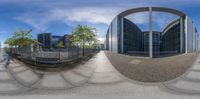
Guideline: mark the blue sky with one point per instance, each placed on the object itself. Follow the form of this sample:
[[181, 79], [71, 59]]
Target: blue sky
[[61, 16]]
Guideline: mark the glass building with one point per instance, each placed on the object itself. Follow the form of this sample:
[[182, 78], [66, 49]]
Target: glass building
[[45, 40], [132, 37], [66, 40], [156, 42], [179, 36], [55, 40], [171, 38], [50, 41]]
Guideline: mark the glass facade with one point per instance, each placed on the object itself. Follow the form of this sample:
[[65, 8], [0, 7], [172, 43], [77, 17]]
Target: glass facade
[[156, 42], [55, 40], [137, 42], [45, 39], [107, 40], [179, 36], [171, 39], [50, 42], [132, 37]]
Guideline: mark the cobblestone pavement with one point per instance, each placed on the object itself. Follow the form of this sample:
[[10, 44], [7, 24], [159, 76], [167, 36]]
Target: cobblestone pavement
[[95, 79]]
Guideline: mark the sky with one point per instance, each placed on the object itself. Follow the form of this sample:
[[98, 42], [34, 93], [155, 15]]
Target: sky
[[61, 17]]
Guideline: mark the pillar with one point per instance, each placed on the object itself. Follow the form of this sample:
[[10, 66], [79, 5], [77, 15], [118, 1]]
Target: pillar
[[122, 34], [150, 34]]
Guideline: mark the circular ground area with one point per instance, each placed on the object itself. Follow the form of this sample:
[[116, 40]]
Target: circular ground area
[[152, 70]]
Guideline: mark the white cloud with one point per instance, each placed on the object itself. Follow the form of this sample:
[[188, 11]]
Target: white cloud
[[38, 20], [60, 2], [93, 15], [139, 18], [101, 40], [41, 20], [160, 19]]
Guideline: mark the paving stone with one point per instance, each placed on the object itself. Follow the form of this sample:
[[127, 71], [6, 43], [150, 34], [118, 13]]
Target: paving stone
[[184, 85], [105, 78], [90, 64], [2, 68], [27, 76], [39, 72], [9, 87], [14, 65], [193, 75], [12, 62], [189, 83], [85, 71], [74, 78], [53, 81], [105, 68], [4, 76], [196, 67], [19, 69]]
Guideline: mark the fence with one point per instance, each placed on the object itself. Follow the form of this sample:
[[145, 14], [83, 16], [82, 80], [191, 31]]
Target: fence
[[52, 56]]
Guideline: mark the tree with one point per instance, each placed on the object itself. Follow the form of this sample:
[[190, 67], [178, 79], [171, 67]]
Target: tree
[[10, 42], [83, 35], [20, 38], [60, 44], [96, 44]]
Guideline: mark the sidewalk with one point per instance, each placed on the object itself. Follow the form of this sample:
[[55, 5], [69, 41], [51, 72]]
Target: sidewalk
[[189, 82], [96, 79]]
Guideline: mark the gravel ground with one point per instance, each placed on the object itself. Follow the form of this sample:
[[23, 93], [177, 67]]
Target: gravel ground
[[152, 70]]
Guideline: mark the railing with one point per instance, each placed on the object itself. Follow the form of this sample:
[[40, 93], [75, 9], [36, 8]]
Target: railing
[[53, 56]]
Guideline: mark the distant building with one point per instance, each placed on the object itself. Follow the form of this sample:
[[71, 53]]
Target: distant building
[[49, 41], [102, 47], [66, 40], [55, 40], [45, 40]]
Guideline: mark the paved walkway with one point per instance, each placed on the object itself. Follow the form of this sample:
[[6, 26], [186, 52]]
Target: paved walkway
[[96, 79], [189, 82], [16, 78]]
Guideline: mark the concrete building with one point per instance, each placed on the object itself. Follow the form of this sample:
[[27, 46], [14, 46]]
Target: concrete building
[[180, 36]]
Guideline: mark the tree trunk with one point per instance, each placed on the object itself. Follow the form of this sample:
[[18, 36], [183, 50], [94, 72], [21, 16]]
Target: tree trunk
[[83, 47]]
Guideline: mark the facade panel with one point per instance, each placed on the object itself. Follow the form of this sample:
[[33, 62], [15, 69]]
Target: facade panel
[[189, 35], [192, 36], [114, 32]]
